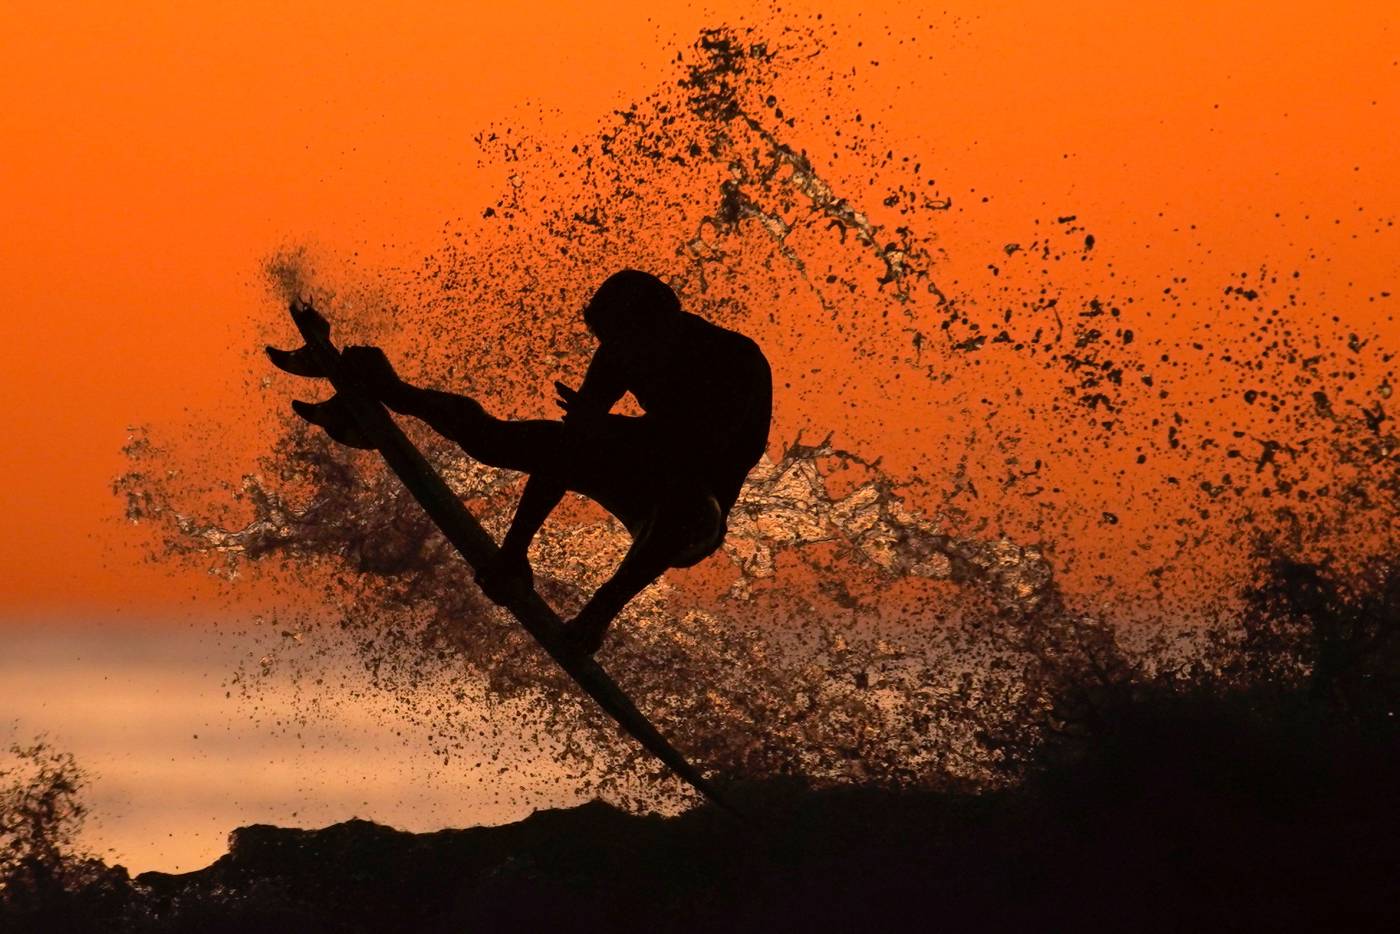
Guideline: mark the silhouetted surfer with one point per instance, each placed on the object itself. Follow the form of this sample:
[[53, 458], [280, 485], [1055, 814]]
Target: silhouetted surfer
[[670, 475]]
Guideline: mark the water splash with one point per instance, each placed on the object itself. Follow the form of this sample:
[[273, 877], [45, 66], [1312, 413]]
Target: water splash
[[930, 624]]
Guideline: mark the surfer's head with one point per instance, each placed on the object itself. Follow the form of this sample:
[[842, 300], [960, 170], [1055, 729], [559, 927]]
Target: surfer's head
[[631, 305]]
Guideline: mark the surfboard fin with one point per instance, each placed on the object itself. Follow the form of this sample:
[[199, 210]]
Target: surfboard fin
[[298, 362], [336, 419]]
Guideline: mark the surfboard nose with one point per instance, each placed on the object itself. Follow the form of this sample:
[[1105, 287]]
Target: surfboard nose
[[299, 362]]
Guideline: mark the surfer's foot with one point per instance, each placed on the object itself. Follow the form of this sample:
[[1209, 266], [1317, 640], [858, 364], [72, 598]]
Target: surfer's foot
[[584, 635], [505, 578], [374, 370]]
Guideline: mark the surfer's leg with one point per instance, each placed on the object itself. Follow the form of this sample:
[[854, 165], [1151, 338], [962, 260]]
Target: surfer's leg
[[612, 460], [528, 446], [685, 526], [508, 575], [641, 566], [602, 460]]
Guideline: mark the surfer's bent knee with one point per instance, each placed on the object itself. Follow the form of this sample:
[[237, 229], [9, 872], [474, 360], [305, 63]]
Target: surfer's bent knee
[[685, 530]]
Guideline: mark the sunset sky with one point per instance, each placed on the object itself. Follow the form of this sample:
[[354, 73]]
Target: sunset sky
[[156, 154]]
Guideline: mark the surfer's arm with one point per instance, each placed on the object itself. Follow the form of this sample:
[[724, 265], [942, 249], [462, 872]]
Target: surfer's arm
[[603, 385]]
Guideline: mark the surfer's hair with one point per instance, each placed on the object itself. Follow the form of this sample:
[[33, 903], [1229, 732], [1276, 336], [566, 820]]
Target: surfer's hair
[[630, 302]]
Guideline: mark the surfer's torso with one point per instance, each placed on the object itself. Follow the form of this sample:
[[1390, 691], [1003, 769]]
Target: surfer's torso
[[707, 390]]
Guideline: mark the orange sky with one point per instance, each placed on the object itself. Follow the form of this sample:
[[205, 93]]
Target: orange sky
[[155, 154]]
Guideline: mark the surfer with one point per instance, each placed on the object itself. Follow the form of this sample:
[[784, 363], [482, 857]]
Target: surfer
[[670, 475]]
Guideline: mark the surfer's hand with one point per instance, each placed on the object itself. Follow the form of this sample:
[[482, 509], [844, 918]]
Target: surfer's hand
[[505, 578], [577, 412], [566, 395], [373, 369]]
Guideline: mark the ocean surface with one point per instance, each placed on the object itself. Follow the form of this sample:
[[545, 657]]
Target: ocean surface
[[186, 732]]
